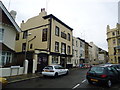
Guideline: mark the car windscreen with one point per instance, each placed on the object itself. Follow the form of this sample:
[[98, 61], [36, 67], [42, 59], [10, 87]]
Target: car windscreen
[[48, 67], [97, 69]]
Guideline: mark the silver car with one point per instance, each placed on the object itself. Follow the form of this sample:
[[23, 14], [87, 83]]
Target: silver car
[[54, 70]]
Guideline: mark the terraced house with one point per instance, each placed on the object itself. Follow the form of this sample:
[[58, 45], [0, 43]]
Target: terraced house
[[46, 39]]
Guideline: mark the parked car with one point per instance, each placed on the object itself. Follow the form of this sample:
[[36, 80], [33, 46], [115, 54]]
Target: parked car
[[103, 74], [3, 82], [54, 70]]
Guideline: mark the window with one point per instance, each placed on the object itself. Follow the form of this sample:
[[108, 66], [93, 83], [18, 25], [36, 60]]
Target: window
[[113, 33], [76, 44], [44, 35], [63, 48], [54, 59], [23, 46], [73, 42], [80, 44], [57, 31], [56, 46], [68, 36], [69, 60], [1, 34], [6, 58], [114, 41], [31, 46], [69, 50], [25, 33], [118, 40], [63, 35], [17, 36], [76, 53]]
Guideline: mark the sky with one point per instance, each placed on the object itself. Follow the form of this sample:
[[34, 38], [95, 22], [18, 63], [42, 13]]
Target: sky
[[88, 18]]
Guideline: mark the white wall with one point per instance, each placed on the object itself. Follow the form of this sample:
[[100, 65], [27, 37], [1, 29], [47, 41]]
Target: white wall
[[9, 36], [11, 72]]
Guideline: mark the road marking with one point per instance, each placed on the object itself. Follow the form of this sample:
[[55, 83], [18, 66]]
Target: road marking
[[83, 81], [76, 86]]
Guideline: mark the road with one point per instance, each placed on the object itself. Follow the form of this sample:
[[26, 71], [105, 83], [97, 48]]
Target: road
[[75, 79]]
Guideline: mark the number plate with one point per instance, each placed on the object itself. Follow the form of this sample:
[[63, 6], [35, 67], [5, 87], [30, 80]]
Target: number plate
[[94, 80]]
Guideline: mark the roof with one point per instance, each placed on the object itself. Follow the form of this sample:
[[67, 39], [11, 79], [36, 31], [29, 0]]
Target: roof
[[10, 17], [52, 16]]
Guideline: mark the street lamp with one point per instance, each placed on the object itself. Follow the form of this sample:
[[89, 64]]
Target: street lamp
[[28, 34]]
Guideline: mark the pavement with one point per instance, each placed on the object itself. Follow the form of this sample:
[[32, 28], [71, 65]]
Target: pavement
[[17, 78]]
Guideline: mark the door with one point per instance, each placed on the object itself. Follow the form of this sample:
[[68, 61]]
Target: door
[[42, 62]]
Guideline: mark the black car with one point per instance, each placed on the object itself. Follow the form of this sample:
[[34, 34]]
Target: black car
[[103, 74]]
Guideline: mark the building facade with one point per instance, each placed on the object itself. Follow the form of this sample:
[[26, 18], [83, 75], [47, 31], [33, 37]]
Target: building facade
[[95, 52], [50, 41], [113, 39], [78, 51], [8, 31]]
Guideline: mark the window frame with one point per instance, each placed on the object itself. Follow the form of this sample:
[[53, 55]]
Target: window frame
[[57, 31], [56, 46], [44, 34], [1, 34]]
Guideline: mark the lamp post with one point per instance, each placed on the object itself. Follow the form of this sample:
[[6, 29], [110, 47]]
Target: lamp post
[[28, 34]]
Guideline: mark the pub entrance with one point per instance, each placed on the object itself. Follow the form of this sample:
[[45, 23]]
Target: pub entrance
[[42, 62]]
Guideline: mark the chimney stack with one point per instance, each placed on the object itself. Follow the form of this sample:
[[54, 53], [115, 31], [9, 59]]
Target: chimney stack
[[13, 14]]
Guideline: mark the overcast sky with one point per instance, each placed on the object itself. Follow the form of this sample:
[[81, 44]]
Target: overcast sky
[[88, 18]]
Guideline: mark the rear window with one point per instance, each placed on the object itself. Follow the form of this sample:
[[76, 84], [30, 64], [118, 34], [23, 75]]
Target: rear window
[[48, 67], [97, 69]]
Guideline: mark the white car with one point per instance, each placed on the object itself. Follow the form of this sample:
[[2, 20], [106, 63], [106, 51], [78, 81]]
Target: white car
[[54, 70]]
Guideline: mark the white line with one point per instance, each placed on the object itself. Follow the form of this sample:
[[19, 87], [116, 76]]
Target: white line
[[76, 86], [83, 81]]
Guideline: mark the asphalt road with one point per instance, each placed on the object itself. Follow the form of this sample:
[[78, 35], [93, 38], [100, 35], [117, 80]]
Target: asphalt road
[[74, 80]]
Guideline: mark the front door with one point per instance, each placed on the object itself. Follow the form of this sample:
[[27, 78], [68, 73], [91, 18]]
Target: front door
[[62, 62], [42, 62]]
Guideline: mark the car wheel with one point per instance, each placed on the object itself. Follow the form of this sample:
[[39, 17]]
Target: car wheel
[[67, 72], [109, 83], [56, 74]]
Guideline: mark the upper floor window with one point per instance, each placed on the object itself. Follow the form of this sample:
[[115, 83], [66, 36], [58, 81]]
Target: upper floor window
[[23, 46], [113, 33], [57, 30], [80, 44], [25, 33], [63, 48], [114, 41], [69, 50], [56, 46], [1, 34], [44, 35], [63, 35], [68, 36], [76, 44], [31, 46], [17, 36], [73, 42], [118, 40]]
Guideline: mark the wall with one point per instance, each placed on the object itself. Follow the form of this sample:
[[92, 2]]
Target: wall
[[9, 36], [11, 72]]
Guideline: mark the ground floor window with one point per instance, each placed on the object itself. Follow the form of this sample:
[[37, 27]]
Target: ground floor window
[[54, 59], [5, 58], [69, 60]]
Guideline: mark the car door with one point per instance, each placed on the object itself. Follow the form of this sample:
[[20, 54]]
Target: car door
[[114, 74], [58, 70]]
